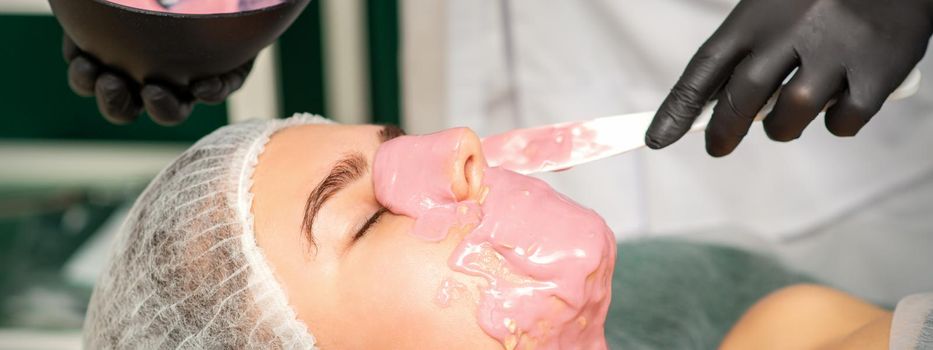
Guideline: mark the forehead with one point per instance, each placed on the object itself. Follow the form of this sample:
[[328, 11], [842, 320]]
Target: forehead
[[327, 136], [309, 151]]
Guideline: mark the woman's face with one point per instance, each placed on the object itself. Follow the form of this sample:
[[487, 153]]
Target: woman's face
[[356, 276]]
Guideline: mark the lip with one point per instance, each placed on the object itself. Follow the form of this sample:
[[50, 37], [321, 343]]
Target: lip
[[531, 244], [553, 249]]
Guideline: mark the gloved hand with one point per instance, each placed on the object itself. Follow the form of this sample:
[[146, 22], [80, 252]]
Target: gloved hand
[[121, 100], [854, 51]]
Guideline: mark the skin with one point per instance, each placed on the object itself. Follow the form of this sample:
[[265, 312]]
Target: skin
[[810, 317], [383, 286]]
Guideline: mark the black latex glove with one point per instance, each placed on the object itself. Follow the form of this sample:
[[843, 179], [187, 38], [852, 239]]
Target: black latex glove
[[854, 51], [121, 100]]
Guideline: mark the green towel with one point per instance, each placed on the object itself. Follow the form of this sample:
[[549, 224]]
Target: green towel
[[669, 294]]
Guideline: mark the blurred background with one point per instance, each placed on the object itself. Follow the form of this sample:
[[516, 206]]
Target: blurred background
[[67, 175], [854, 213]]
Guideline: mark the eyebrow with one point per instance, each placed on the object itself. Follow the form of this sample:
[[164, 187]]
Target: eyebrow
[[347, 170], [389, 132]]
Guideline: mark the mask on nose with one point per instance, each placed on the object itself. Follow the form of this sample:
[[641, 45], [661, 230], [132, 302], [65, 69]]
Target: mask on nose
[[546, 260]]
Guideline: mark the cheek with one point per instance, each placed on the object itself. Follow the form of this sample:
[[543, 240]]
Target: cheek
[[390, 283], [389, 264]]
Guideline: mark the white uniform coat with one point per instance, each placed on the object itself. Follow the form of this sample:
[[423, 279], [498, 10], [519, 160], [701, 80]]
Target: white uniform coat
[[522, 63]]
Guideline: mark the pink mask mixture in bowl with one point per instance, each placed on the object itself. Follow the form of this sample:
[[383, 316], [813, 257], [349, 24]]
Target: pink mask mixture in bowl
[[198, 7], [546, 260]]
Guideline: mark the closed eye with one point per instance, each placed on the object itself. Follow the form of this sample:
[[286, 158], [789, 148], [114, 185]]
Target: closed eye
[[369, 223]]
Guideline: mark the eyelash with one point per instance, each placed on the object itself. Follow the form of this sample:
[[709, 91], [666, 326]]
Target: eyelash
[[373, 220]]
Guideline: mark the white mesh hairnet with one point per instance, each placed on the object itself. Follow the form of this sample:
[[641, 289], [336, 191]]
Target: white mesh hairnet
[[185, 271]]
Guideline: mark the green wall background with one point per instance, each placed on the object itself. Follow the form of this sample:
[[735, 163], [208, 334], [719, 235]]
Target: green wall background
[[38, 104], [384, 58], [301, 64]]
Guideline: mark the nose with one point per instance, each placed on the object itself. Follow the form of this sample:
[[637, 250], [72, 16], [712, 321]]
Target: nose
[[468, 165]]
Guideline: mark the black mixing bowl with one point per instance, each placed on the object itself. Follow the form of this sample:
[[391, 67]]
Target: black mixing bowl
[[170, 47]]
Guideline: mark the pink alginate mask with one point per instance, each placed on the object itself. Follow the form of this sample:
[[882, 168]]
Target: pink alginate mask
[[198, 6], [547, 260]]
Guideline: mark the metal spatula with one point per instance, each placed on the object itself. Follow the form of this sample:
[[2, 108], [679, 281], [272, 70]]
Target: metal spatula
[[565, 145]]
